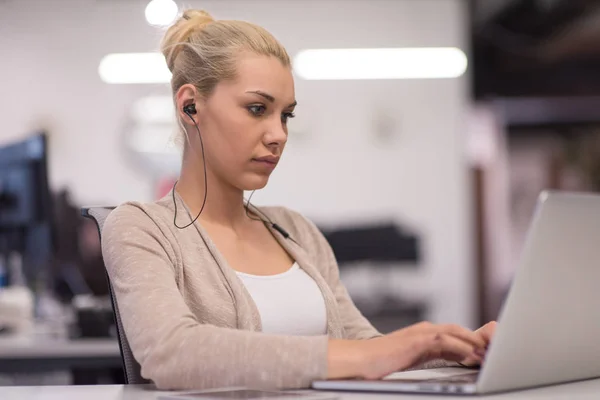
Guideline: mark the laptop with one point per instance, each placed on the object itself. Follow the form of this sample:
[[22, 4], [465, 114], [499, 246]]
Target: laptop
[[548, 331]]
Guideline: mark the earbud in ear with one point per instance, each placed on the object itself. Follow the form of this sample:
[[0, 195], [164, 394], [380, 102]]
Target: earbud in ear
[[190, 109]]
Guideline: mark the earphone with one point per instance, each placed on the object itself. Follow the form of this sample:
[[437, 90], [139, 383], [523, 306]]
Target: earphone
[[190, 110]]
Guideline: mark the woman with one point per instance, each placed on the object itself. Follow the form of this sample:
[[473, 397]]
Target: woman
[[213, 293]]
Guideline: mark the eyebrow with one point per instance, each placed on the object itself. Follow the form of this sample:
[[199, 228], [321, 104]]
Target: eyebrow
[[269, 97]]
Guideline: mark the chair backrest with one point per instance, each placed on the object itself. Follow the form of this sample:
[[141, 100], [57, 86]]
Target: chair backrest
[[132, 368]]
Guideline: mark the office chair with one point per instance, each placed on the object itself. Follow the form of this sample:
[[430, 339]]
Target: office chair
[[132, 368]]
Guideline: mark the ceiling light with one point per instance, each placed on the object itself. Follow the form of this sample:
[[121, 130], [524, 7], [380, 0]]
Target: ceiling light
[[161, 12], [385, 63], [123, 68]]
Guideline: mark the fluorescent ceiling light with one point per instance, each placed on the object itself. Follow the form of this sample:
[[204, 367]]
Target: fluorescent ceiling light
[[387, 63], [134, 68], [161, 12], [317, 64]]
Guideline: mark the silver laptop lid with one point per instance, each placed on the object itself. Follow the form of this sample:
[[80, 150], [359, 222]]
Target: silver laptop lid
[[549, 327]]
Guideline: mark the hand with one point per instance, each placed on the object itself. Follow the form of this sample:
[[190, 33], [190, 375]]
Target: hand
[[486, 333], [403, 349]]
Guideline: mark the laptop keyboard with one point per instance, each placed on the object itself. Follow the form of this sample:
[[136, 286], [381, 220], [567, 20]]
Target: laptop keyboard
[[463, 378]]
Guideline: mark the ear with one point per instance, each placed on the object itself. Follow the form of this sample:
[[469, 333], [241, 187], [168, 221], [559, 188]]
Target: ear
[[186, 95]]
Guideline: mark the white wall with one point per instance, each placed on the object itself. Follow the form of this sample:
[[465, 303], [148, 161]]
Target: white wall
[[335, 171]]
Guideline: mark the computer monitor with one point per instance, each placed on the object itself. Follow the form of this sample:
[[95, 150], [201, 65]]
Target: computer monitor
[[26, 222]]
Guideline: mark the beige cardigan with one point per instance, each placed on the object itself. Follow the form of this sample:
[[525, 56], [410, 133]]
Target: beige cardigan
[[188, 317]]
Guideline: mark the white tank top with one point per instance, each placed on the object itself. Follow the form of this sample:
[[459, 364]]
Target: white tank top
[[289, 303]]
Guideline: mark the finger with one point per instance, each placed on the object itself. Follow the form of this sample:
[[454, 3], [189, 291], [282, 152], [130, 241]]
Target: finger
[[471, 362], [487, 331], [466, 335], [452, 329], [454, 348]]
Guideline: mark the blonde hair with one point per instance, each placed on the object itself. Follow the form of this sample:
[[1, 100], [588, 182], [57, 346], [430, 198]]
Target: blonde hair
[[203, 51]]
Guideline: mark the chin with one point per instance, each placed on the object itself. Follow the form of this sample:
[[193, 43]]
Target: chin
[[256, 182]]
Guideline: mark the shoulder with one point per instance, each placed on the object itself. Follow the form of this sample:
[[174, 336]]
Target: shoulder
[[289, 219], [135, 216], [300, 228]]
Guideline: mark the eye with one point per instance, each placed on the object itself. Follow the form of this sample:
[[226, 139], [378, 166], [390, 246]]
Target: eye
[[257, 109], [286, 116]]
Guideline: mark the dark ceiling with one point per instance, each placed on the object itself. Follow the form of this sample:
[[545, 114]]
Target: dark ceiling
[[536, 47]]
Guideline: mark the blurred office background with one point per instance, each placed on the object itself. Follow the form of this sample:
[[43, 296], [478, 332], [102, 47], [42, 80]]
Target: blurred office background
[[423, 179]]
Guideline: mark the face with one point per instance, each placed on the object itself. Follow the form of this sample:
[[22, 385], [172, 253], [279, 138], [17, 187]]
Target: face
[[243, 123]]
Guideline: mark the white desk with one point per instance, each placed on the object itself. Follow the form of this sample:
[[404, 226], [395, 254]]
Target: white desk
[[28, 355], [572, 391]]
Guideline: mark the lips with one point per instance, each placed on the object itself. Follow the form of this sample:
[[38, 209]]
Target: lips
[[270, 160]]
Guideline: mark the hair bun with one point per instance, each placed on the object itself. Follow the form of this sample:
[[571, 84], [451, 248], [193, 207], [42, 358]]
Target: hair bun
[[197, 16], [190, 22]]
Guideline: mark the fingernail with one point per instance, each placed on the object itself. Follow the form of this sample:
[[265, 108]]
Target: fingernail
[[480, 352]]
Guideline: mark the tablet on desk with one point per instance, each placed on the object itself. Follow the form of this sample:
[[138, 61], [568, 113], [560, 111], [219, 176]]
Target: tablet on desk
[[245, 394]]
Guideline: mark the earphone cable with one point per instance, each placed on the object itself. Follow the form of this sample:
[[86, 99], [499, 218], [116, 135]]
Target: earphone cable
[[205, 181]]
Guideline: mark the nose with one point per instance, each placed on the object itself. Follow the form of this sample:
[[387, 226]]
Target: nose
[[276, 134]]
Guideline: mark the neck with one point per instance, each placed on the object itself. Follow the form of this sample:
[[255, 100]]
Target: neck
[[224, 203]]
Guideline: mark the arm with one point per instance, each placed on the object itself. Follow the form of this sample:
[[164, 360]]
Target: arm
[[355, 324], [174, 349]]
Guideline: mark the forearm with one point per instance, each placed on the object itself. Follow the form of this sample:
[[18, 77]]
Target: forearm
[[205, 357]]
